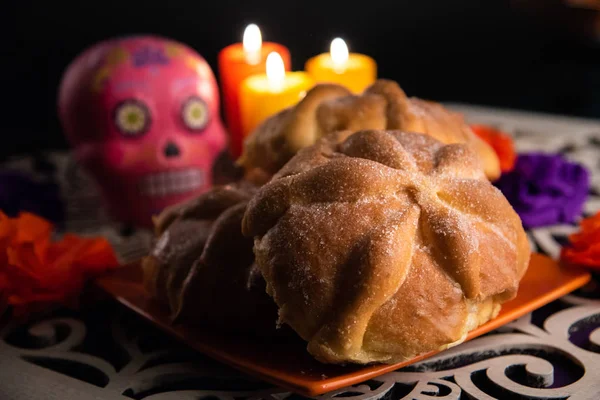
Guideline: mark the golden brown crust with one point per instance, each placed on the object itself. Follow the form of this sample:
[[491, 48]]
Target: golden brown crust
[[279, 138], [202, 267], [382, 245], [329, 108]]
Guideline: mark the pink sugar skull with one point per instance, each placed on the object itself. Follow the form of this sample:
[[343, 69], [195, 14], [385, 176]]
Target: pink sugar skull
[[142, 114]]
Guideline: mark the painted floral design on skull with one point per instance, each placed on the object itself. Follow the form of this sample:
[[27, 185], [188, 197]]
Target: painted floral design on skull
[[142, 115]]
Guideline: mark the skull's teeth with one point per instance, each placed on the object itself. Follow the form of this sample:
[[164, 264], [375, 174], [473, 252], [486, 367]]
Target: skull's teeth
[[171, 182]]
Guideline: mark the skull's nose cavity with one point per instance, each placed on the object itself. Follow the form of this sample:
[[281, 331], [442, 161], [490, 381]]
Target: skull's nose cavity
[[171, 150]]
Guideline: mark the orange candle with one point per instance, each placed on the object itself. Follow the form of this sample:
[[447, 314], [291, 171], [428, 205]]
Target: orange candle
[[353, 70], [264, 95], [236, 62]]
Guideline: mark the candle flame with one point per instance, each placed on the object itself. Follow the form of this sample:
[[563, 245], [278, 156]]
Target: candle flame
[[275, 71], [338, 52], [252, 44]]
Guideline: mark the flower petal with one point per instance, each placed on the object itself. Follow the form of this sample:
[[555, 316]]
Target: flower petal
[[584, 248], [36, 272], [545, 189], [502, 144]]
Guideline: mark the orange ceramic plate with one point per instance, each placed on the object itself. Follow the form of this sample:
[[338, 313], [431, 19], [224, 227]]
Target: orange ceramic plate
[[286, 362]]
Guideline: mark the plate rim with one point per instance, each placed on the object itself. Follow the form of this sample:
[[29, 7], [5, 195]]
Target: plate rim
[[579, 278]]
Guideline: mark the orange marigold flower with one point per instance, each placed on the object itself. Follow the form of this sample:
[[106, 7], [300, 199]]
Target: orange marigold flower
[[502, 144], [584, 248], [36, 271]]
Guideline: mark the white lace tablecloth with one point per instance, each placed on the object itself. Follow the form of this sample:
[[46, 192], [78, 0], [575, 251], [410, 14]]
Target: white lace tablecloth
[[109, 353]]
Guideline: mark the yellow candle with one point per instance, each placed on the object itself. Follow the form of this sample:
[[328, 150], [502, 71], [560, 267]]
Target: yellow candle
[[353, 70], [264, 95]]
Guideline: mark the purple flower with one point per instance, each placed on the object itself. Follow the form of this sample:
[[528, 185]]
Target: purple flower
[[545, 189], [18, 192]]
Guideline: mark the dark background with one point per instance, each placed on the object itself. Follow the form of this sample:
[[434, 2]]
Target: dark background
[[536, 55]]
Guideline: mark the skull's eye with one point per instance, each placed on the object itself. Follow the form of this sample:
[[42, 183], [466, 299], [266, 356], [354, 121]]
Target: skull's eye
[[194, 113], [132, 118]]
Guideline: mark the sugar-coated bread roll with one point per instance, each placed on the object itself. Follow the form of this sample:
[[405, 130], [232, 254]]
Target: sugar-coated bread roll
[[328, 108], [378, 246], [202, 268]]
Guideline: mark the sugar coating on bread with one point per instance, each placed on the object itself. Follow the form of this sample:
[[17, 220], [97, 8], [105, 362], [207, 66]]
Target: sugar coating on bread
[[381, 245], [330, 108]]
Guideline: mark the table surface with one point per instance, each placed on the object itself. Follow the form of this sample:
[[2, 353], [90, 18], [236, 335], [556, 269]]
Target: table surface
[[107, 352]]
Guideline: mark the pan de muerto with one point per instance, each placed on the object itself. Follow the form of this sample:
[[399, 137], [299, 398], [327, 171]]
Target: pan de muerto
[[380, 245], [329, 108]]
